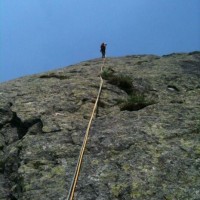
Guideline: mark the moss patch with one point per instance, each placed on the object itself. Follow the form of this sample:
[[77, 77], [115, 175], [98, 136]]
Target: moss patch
[[117, 189], [122, 81], [135, 102]]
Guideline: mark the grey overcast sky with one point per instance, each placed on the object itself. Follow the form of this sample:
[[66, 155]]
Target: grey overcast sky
[[41, 35]]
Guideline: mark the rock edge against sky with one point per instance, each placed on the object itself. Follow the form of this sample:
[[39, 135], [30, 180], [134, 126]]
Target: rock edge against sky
[[144, 141]]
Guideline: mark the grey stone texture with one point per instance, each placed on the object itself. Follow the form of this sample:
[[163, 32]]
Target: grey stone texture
[[151, 153]]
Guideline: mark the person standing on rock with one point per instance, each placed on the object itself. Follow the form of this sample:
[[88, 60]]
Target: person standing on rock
[[103, 49]]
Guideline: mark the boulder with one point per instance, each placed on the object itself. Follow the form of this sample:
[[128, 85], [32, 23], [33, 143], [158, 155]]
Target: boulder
[[144, 139]]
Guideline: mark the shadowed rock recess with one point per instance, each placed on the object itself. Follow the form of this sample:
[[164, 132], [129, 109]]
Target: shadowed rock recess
[[144, 142]]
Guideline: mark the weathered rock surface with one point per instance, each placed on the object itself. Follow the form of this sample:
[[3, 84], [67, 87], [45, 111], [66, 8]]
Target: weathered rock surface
[[152, 152]]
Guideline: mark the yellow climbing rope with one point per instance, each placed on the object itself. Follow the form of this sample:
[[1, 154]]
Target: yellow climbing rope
[[78, 166]]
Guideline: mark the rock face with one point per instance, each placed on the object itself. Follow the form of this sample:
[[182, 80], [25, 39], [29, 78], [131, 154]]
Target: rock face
[[144, 141]]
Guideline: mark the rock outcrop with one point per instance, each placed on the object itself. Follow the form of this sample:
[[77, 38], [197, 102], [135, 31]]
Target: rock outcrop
[[144, 141]]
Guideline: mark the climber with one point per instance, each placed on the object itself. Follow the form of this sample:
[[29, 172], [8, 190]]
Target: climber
[[103, 49]]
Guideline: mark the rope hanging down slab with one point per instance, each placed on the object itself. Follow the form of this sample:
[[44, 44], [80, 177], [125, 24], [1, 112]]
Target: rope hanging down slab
[[78, 166]]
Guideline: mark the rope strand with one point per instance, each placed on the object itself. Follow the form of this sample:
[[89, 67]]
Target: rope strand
[[78, 166]]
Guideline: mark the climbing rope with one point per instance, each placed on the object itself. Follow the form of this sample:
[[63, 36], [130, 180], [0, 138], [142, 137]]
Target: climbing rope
[[78, 166]]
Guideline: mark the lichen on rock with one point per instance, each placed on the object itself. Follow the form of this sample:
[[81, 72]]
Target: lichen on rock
[[151, 152]]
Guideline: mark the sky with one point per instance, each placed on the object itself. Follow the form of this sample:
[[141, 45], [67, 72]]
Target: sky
[[41, 35]]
